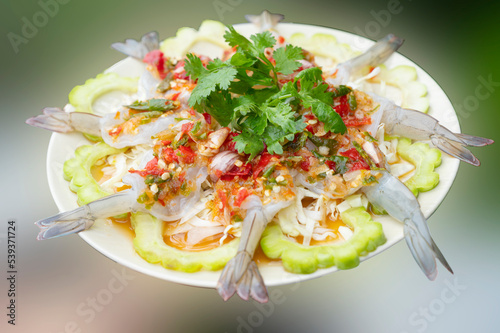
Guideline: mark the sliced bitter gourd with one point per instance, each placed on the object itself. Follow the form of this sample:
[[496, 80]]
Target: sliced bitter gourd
[[297, 258], [77, 171], [82, 97], [149, 244], [425, 159], [403, 77], [209, 31], [323, 45]]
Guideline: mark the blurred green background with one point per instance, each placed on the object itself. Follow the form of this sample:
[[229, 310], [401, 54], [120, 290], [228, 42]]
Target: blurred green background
[[457, 43]]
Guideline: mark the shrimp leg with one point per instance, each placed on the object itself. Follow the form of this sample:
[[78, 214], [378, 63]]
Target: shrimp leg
[[56, 120], [420, 126], [82, 218], [401, 204]]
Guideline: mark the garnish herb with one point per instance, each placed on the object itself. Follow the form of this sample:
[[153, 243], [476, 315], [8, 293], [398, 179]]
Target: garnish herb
[[353, 104], [155, 104], [244, 93], [341, 90], [340, 163]]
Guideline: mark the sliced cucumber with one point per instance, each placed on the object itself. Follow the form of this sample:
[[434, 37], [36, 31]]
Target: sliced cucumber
[[297, 258], [414, 93], [425, 159], [150, 246]]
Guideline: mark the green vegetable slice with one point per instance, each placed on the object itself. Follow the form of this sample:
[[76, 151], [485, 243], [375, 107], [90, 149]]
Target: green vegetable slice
[[150, 246], [414, 93], [297, 258], [82, 97], [323, 45], [403, 77], [210, 31], [425, 159], [77, 171]]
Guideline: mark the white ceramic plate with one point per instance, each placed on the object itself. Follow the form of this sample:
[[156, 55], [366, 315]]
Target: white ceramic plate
[[118, 246]]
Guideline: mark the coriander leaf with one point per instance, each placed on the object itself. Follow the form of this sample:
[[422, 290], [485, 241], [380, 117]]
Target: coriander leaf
[[281, 116], [240, 86], [288, 94], [245, 105], [310, 74], [216, 63], [274, 137], [233, 38], [311, 84], [240, 59], [325, 113], [319, 92], [194, 66], [286, 59], [219, 105], [258, 77], [219, 78], [248, 143], [275, 148], [155, 104], [262, 41], [300, 125], [260, 96], [255, 124]]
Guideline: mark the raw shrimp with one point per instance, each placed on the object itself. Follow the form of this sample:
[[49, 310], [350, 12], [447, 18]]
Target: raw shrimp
[[409, 123], [400, 203], [241, 274], [420, 126], [109, 126], [82, 218]]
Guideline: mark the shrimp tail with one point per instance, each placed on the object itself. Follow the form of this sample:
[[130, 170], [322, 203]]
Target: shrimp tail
[[474, 141], [266, 20], [139, 49], [52, 119], [82, 218], [454, 149], [57, 120], [454, 143], [64, 228], [422, 246], [400, 203], [242, 276], [417, 125]]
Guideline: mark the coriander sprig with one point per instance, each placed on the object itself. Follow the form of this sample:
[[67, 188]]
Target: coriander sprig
[[244, 92]]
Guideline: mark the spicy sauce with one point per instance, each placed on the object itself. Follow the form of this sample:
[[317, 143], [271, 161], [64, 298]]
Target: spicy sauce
[[333, 226]]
